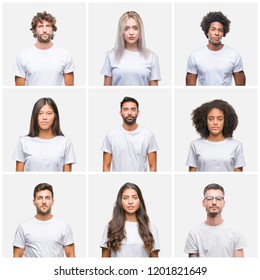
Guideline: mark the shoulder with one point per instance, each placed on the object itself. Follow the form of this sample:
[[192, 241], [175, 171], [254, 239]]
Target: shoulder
[[197, 141], [233, 142], [198, 51]]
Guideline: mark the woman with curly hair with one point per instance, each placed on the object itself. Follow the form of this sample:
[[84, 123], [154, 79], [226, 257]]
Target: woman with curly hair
[[130, 63], [216, 150], [45, 148], [216, 63], [130, 233]]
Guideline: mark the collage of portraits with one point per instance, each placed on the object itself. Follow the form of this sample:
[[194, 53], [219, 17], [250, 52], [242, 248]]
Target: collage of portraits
[[125, 129]]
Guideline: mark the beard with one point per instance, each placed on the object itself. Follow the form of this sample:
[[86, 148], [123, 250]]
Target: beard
[[46, 40], [43, 212], [130, 120]]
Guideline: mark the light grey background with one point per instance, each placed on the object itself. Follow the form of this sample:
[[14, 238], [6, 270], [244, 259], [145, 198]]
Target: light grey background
[[155, 115], [103, 21], [242, 37], [243, 100], [240, 208], [17, 108], [69, 205], [156, 190], [70, 35]]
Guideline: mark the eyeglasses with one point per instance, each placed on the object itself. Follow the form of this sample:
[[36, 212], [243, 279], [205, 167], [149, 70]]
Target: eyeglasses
[[211, 198]]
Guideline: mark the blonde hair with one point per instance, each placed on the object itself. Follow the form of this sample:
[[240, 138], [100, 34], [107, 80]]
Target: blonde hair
[[120, 42]]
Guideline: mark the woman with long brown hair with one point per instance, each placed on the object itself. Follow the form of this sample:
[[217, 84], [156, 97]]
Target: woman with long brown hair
[[130, 233]]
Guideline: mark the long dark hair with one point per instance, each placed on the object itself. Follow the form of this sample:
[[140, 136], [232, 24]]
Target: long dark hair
[[34, 127], [116, 227]]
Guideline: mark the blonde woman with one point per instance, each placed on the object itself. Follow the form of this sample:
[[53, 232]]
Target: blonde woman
[[130, 63]]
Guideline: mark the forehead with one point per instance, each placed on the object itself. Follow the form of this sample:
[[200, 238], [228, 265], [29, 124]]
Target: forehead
[[43, 193], [129, 192], [215, 112], [214, 193], [216, 24], [129, 105], [46, 107], [44, 22], [131, 22]]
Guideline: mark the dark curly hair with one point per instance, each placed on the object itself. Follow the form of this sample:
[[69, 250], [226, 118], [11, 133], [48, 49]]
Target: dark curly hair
[[200, 114], [213, 17], [40, 17], [116, 227]]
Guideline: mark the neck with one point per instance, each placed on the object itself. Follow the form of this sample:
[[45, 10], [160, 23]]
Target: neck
[[43, 217], [215, 138], [130, 217], [43, 45], [130, 127], [215, 47], [214, 221], [131, 47], [46, 134]]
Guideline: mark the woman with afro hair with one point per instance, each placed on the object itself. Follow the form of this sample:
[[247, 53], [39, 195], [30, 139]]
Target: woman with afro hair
[[216, 150], [216, 63], [130, 233]]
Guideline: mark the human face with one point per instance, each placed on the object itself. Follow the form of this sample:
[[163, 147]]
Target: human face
[[130, 201], [129, 113], [214, 207], [43, 202], [215, 33], [131, 33], [46, 117], [215, 122], [44, 31]]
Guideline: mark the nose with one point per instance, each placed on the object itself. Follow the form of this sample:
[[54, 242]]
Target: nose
[[44, 29], [130, 201], [131, 31]]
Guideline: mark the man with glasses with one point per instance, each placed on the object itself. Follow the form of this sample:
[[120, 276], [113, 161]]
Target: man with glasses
[[214, 237]]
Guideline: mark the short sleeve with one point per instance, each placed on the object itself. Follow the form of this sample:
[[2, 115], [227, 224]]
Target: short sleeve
[[153, 146], [191, 65], [19, 152], [107, 69], [155, 72], [19, 238], [191, 246], [192, 159], [68, 236], [238, 64], [239, 160], [69, 154], [107, 145], [69, 67], [19, 69], [103, 243], [154, 232]]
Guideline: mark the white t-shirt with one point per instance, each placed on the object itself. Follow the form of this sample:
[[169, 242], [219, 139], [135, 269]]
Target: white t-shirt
[[224, 155], [129, 149], [44, 67], [214, 68], [132, 70], [214, 241], [43, 238], [44, 154], [133, 245]]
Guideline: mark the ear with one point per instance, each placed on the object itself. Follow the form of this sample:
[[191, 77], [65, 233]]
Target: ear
[[203, 202], [33, 201], [120, 113]]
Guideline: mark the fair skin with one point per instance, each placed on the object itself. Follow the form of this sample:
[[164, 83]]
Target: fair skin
[[131, 36], [130, 204], [215, 122], [129, 113], [43, 203], [45, 121], [215, 34], [44, 33], [214, 203]]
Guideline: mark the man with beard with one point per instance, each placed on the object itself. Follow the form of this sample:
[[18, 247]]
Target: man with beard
[[216, 63], [129, 147], [45, 63], [43, 235], [214, 237]]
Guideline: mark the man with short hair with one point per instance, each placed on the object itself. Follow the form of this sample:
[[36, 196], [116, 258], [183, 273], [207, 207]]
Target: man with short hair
[[129, 147], [214, 237], [216, 63], [43, 235], [45, 63]]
